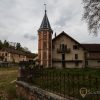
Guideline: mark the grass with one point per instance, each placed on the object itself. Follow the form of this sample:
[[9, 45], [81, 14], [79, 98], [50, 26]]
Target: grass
[[7, 83]]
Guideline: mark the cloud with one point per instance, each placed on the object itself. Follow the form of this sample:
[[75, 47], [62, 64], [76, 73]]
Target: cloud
[[20, 20], [30, 37]]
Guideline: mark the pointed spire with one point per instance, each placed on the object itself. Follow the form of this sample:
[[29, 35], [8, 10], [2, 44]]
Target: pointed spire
[[55, 35], [45, 22]]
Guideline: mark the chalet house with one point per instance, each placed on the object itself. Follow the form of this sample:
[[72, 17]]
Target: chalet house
[[13, 55], [64, 51], [67, 52]]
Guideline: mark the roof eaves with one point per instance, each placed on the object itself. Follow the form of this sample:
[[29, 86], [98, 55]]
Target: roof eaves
[[63, 33]]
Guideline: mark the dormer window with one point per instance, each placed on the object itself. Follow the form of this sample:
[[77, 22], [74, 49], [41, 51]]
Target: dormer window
[[63, 46], [75, 47]]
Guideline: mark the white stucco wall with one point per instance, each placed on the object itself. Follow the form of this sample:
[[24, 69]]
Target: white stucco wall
[[93, 63], [57, 65], [68, 56]]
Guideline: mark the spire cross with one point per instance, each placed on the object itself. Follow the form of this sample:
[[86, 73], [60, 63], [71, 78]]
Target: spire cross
[[45, 7]]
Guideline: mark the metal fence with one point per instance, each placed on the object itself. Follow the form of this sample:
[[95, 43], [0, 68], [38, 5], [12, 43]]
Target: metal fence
[[80, 86]]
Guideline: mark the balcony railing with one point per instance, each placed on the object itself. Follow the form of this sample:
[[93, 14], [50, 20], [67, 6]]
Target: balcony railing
[[63, 50]]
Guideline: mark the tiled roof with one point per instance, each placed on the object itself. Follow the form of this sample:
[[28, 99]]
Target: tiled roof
[[92, 47], [45, 23], [94, 51], [65, 34], [14, 51]]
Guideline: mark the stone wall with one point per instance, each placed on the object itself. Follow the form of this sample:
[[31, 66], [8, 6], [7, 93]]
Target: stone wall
[[33, 93]]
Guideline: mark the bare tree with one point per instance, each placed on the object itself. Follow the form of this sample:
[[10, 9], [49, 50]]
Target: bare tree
[[92, 15]]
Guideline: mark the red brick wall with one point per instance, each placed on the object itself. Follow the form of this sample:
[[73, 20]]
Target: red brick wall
[[45, 48]]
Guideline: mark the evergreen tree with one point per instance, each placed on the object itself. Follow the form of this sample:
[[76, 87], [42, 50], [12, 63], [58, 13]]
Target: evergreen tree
[[6, 44], [18, 46], [1, 44]]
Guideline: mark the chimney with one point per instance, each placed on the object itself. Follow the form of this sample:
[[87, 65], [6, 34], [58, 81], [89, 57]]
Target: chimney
[[55, 34]]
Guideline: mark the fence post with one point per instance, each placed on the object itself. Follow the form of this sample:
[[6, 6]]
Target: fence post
[[47, 81], [42, 79], [97, 88], [50, 81], [60, 82], [90, 81], [64, 79], [53, 81], [73, 79], [78, 83], [69, 84]]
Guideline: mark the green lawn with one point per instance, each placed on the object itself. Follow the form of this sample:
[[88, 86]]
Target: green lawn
[[7, 83]]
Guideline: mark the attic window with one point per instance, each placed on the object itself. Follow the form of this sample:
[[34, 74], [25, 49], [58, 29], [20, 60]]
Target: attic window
[[62, 46], [75, 47]]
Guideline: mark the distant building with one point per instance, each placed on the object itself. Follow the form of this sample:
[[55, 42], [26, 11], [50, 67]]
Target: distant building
[[13, 55], [63, 51], [12, 44]]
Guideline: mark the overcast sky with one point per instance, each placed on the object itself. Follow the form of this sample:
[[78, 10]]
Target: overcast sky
[[20, 20]]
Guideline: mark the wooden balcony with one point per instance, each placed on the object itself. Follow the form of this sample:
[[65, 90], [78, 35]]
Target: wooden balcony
[[64, 50], [60, 60]]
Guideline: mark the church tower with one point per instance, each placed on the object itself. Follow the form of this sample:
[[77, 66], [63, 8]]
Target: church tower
[[45, 43]]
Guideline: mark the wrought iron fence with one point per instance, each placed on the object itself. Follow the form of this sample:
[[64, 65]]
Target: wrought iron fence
[[82, 87]]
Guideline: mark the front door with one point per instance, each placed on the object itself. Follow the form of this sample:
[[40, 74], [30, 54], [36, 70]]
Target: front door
[[63, 60]]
